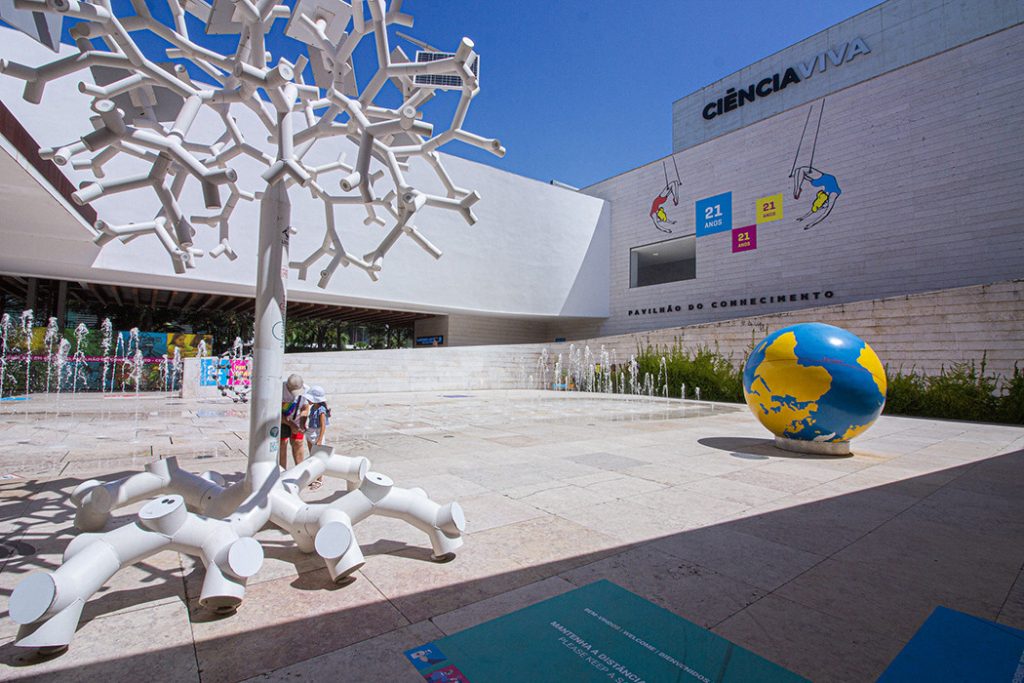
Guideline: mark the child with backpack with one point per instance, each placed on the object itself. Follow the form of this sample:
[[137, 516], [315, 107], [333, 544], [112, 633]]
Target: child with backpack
[[317, 416]]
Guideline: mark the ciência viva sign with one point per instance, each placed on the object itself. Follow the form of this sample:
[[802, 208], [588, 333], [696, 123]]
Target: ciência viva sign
[[802, 70]]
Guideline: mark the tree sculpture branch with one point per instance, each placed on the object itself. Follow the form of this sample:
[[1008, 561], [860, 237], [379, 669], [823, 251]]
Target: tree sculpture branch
[[151, 83]]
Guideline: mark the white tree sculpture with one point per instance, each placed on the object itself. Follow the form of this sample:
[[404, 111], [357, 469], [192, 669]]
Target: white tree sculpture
[[146, 107]]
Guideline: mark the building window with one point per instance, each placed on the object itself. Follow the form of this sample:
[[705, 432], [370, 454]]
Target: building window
[[669, 261]]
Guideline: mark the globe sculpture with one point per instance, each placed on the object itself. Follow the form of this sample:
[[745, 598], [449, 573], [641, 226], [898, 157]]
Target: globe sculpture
[[215, 104], [815, 387]]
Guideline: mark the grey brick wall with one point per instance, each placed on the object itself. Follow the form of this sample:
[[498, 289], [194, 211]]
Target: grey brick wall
[[929, 158], [922, 332]]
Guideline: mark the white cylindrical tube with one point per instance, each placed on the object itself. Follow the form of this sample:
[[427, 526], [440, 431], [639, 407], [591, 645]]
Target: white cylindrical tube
[[451, 519], [84, 573], [351, 181], [220, 593], [376, 486], [64, 154], [96, 500], [294, 516], [244, 557], [211, 195], [336, 543], [305, 472], [442, 524], [268, 349], [354, 504], [353, 469], [464, 50], [164, 514], [187, 116]]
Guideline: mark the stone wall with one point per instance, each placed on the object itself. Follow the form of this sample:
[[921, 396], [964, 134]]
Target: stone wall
[[923, 332], [424, 369], [920, 331]]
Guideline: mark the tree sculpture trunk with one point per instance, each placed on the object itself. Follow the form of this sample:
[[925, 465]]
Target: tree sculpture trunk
[[268, 343], [147, 115]]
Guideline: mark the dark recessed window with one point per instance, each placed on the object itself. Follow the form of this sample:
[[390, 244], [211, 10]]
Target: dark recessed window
[[669, 261]]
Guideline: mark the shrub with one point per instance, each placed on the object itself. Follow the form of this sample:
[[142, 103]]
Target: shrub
[[964, 391], [1011, 403], [715, 374]]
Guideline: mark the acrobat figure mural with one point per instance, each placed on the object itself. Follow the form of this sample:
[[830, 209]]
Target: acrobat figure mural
[[828, 190], [658, 213]]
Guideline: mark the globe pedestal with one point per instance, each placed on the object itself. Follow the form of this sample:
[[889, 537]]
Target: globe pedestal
[[813, 447]]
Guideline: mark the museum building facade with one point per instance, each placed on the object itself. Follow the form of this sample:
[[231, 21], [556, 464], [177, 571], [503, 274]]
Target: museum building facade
[[879, 157]]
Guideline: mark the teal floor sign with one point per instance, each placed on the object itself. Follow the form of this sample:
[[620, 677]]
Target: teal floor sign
[[953, 646], [600, 632]]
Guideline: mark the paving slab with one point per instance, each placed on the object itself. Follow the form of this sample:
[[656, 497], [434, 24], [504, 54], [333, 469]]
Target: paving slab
[[824, 565]]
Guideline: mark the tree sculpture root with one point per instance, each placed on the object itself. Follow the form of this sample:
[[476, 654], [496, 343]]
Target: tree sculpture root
[[200, 516]]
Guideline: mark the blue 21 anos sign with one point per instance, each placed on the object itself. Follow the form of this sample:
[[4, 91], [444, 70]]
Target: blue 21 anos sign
[[714, 214]]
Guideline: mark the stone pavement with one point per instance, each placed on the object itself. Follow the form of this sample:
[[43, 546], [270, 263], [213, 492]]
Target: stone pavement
[[826, 566]]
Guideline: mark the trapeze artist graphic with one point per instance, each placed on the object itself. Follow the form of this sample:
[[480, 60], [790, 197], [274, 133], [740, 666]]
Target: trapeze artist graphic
[[827, 186], [658, 213]]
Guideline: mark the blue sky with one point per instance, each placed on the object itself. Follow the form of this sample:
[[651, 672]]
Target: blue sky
[[581, 91]]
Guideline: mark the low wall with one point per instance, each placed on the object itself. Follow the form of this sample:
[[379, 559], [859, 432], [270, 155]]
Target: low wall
[[920, 331], [424, 369], [924, 332]]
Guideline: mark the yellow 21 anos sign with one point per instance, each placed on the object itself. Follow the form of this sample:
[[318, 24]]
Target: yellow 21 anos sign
[[769, 208]]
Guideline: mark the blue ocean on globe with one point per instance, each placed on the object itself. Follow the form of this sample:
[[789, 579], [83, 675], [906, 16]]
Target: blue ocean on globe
[[814, 382]]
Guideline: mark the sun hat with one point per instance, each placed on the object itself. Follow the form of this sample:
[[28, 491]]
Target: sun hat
[[316, 394]]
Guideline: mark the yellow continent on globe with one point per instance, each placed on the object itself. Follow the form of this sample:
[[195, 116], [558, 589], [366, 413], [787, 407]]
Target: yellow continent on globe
[[803, 386], [870, 361]]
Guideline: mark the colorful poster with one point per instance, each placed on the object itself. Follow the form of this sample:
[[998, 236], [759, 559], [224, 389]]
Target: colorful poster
[[152, 344], [212, 373], [240, 370], [187, 343], [600, 632], [714, 214], [426, 656], [744, 239], [768, 209]]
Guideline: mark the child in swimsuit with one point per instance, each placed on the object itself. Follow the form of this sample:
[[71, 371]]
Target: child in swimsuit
[[292, 404]]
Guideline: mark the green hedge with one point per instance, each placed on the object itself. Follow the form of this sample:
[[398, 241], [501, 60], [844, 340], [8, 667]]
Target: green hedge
[[716, 375], [964, 391]]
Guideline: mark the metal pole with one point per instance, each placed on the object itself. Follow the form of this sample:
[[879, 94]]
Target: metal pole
[[32, 294], [268, 346], [62, 303]]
